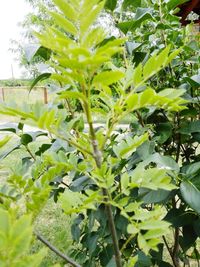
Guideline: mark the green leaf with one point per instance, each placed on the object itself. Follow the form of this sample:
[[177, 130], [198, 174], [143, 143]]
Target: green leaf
[[131, 229], [179, 217], [174, 3], [4, 141], [111, 263], [80, 183], [194, 81], [153, 224], [67, 9], [72, 94], [188, 238], [70, 200], [190, 127], [137, 75], [108, 77], [21, 235], [40, 78], [4, 222], [154, 196], [111, 4], [132, 46], [131, 3], [163, 162], [191, 169], [61, 21], [142, 14], [92, 9], [128, 146], [191, 195], [155, 63], [163, 132], [10, 150], [26, 139], [146, 149], [152, 178], [143, 260]]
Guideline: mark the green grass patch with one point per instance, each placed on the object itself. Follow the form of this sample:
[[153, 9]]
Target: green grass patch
[[55, 227]]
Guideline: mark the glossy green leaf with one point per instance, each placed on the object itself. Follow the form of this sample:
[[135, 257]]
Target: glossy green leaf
[[131, 4], [191, 195], [108, 77], [40, 78], [188, 238], [26, 139], [67, 9], [152, 196], [141, 15], [194, 81], [190, 127], [111, 4], [126, 147], [92, 9], [61, 21], [179, 218]]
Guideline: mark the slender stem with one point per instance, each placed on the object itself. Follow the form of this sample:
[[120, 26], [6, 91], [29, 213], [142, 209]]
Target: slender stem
[[59, 253], [167, 246], [97, 154], [176, 241], [170, 251], [140, 118], [113, 231], [197, 256], [73, 143], [127, 241], [30, 153], [70, 109]]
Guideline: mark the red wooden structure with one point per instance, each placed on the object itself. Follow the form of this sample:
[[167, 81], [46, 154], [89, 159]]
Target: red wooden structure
[[186, 8]]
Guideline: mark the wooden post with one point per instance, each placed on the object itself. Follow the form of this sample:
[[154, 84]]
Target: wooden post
[[187, 8], [45, 96], [3, 95]]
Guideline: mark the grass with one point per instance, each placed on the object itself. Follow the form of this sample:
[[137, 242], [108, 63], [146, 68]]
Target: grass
[[54, 226], [15, 82], [22, 94]]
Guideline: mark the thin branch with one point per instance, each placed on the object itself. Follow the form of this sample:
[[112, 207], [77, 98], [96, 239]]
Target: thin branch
[[140, 118], [127, 241], [97, 154], [30, 153], [197, 256], [55, 250], [176, 240], [73, 143], [169, 250]]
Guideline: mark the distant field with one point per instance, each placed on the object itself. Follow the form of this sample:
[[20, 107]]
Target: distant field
[[15, 82], [22, 94]]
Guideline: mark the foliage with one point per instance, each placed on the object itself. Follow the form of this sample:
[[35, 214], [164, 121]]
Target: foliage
[[122, 188], [15, 241]]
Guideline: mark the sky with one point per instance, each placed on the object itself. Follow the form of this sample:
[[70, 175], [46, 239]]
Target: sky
[[12, 12]]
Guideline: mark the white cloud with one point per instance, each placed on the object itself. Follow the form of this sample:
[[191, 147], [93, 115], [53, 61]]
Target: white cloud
[[12, 12]]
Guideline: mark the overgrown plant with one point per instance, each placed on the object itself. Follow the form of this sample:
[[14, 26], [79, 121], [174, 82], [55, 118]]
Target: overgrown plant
[[109, 176]]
